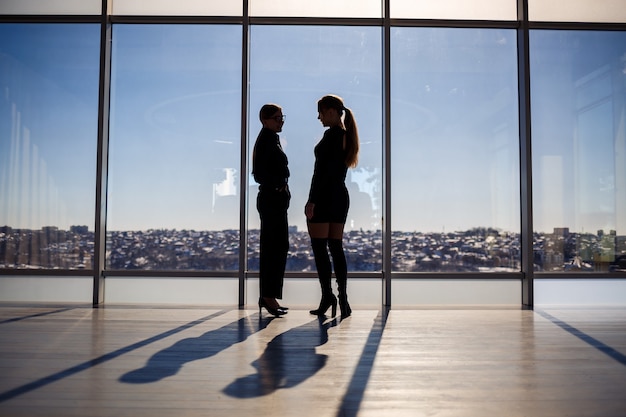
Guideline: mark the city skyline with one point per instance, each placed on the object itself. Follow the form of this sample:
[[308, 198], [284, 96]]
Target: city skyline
[[476, 250]]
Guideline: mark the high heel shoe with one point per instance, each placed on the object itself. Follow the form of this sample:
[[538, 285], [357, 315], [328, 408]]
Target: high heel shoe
[[274, 311], [325, 303]]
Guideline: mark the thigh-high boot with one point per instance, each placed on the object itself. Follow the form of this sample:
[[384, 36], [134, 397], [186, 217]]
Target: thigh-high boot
[[324, 273], [341, 272]]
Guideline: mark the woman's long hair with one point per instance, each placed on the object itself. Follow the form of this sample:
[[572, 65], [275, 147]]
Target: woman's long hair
[[349, 124]]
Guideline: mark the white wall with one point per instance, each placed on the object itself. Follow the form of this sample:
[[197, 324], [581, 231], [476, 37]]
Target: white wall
[[174, 290], [305, 292], [580, 292], [406, 292], [46, 289]]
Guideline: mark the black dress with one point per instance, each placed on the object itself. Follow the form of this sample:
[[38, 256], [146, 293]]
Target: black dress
[[269, 168], [328, 186]]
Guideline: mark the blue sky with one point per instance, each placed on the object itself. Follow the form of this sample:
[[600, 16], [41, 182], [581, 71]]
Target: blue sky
[[175, 117], [48, 124]]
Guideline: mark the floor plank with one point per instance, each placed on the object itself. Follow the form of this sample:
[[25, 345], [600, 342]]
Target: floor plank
[[125, 361]]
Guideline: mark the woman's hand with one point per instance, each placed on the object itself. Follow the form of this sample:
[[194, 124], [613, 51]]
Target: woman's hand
[[308, 210]]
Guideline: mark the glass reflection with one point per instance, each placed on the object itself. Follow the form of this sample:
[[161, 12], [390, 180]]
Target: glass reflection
[[294, 67], [454, 150], [48, 137], [578, 82], [174, 147]]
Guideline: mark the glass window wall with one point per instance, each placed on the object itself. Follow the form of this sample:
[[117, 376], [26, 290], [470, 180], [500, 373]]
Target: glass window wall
[[578, 91], [175, 132], [294, 66], [454, 150], [48, 140], [173, 199]]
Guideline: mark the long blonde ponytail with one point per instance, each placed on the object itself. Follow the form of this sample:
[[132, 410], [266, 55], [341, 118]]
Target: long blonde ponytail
[[349, 124], [352, 139]]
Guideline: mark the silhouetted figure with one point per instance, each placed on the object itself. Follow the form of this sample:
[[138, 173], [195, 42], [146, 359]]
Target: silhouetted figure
[[269, 168], [327, 207]]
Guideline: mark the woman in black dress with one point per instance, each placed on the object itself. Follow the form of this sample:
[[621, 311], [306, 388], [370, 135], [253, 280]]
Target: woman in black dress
[[269, 168], [327, 208]]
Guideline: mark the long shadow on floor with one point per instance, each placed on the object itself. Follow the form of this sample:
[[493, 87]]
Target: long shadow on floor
[[288, 360], [169, 361], [41, 314], [83, 366], [353, 397], [591, 341]]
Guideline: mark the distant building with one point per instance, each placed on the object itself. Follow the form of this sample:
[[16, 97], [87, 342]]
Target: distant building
[[561, 231], [81, 230]]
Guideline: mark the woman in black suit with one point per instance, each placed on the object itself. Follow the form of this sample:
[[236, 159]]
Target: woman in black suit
[[269, 168], [327, 207]]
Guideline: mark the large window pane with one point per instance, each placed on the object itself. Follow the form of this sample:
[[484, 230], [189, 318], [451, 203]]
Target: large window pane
[[294, 67], [454, 149], [578, 81], [174, 147], [48, 141]]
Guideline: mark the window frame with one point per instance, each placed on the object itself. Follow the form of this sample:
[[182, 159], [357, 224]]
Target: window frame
[[523, 27]]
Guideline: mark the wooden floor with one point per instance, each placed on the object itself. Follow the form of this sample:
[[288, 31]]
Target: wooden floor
[[115, 361]]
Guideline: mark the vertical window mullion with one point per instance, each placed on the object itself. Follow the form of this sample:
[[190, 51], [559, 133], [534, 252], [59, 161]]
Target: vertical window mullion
[[386, 226], [523, 74], [243, 178]]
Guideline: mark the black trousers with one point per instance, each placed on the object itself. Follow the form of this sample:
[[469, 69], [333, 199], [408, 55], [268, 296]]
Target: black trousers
[[272, 206]]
